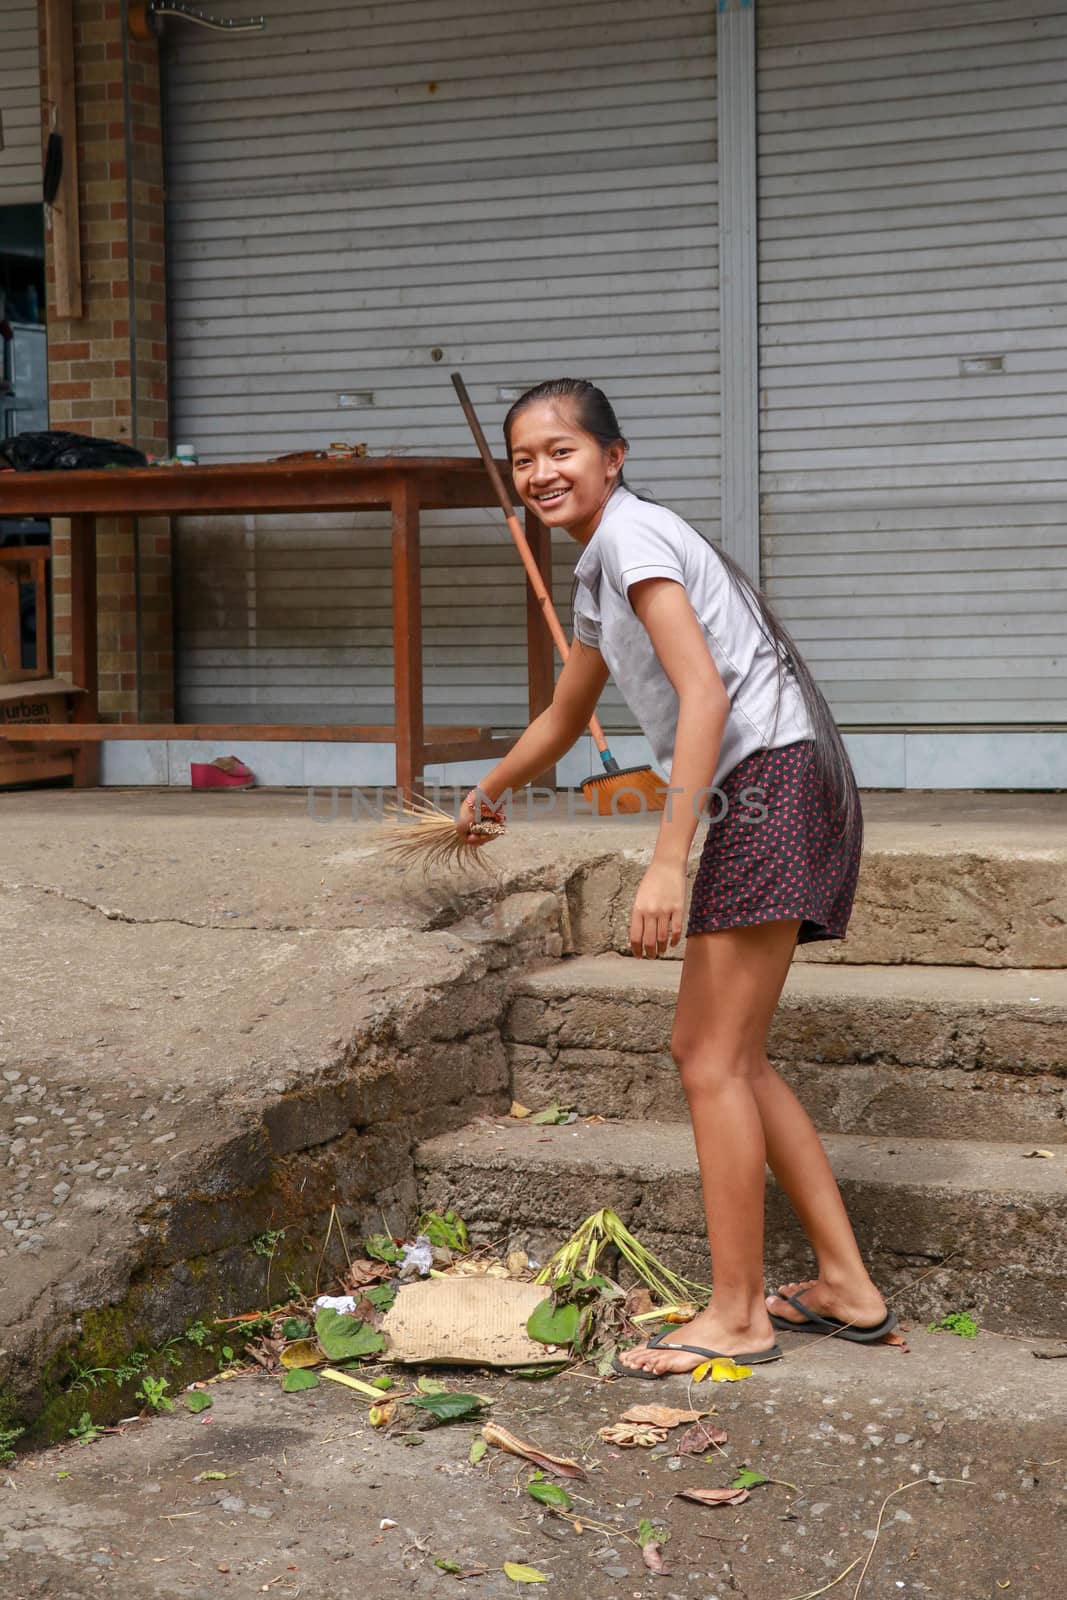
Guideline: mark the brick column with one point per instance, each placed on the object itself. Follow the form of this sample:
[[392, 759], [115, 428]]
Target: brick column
[[107, 369]]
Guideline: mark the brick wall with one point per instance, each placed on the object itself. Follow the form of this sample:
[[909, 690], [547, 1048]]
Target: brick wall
[[108, 368]]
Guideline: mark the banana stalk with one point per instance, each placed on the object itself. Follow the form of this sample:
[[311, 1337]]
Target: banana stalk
[[605, 1227]]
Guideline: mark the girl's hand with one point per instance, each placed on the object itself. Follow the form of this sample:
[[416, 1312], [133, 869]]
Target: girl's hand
[[472, 811], [466, 820], [656, 924]]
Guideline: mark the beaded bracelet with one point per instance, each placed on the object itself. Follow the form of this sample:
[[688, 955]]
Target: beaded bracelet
[[481, 805]]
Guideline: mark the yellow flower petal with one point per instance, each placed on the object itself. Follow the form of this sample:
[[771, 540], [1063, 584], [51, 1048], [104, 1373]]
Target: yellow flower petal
[[726, 1370]]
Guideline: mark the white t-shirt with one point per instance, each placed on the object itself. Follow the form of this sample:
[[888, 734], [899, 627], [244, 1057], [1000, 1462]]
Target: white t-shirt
[[637, 539]]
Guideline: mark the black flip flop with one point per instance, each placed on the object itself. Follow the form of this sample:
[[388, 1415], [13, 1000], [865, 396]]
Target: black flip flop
[[751, 1359], [814, 1323]]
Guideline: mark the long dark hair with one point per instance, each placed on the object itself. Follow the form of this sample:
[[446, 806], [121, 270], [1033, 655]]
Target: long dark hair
[[595, 415]]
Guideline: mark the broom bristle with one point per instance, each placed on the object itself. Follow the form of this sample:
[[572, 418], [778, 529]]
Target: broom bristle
[[624, 793], [422, 835]]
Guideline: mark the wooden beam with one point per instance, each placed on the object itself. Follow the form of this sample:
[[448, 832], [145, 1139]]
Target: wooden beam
[[84, 665], [63, 119], [476, 750], [247, 487], [445, 739], [407, 636]]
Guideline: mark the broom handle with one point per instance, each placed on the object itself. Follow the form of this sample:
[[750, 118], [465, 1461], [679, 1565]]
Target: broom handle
[[533, 572]]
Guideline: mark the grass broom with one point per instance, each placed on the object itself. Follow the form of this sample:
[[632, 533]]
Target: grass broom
[[420, 834], [616, 789]]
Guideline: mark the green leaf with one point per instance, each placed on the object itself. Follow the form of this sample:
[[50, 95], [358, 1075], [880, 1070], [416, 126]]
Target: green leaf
[[445, 1230], [749, 1480], [957, 1322], [345, 1338], [197, 1400], [537, 1374], [551, 1116], [520, 1574], [381, 1248], [212, 1477], [646, 1533], [299, 1378], [447, 1566], [382, 1382], [550, 1324], [448, 1407], [549, 1494], [431, 1386], [381, 1296], [478, 1449], [296, 1328]]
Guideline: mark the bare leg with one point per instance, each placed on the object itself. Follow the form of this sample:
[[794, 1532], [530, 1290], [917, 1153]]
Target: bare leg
[[743, 1116], [730, 986], [795, 1155]]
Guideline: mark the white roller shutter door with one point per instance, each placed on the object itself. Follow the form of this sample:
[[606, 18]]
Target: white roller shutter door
[[20, 104], [913, 326], [527, 194]]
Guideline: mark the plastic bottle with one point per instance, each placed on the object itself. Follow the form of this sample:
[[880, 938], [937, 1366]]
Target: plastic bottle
[[185, 455]]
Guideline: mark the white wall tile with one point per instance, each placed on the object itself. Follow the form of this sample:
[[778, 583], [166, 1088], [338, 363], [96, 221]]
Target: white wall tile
[[134, 763], [986, 760], [892, 760]]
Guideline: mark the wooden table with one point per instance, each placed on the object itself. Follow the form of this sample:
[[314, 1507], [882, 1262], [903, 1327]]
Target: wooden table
[[403, 485]]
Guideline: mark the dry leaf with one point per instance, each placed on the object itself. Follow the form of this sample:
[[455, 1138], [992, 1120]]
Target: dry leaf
[[518, 1262], [653, 1559], [714, 1497], [518, 1110], [363, 1272], [522, 1574], [268, 1352], [685, 1312], [629, 1434], [481, 1267], [492, 1433], [639, 1302], [1039, 1155], [704, 1437], [660, 1416], [895, 1337], [302, 1353]]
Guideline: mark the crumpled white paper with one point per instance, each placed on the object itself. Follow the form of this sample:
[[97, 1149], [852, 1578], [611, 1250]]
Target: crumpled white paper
[[344, 1303]]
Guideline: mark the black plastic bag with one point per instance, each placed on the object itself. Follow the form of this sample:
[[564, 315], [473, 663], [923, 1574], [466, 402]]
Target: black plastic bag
[[47, 452]]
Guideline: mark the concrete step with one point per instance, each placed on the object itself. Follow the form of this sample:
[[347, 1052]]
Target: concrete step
[[992, 1223], [951, 1052], [957, 879]]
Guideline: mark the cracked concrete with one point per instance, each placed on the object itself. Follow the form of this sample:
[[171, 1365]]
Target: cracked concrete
[[223, 1020], [225, 1015]]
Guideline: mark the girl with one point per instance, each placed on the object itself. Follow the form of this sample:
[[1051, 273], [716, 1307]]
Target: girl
[[725, 699]]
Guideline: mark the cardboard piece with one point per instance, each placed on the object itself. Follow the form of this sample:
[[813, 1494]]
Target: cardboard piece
[[469, 1321]]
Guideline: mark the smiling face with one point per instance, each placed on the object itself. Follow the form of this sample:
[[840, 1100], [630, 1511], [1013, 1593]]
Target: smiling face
[[560, 471]]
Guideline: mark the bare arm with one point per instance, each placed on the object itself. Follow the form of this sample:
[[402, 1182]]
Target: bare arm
[[552, 734], [703, 707]]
